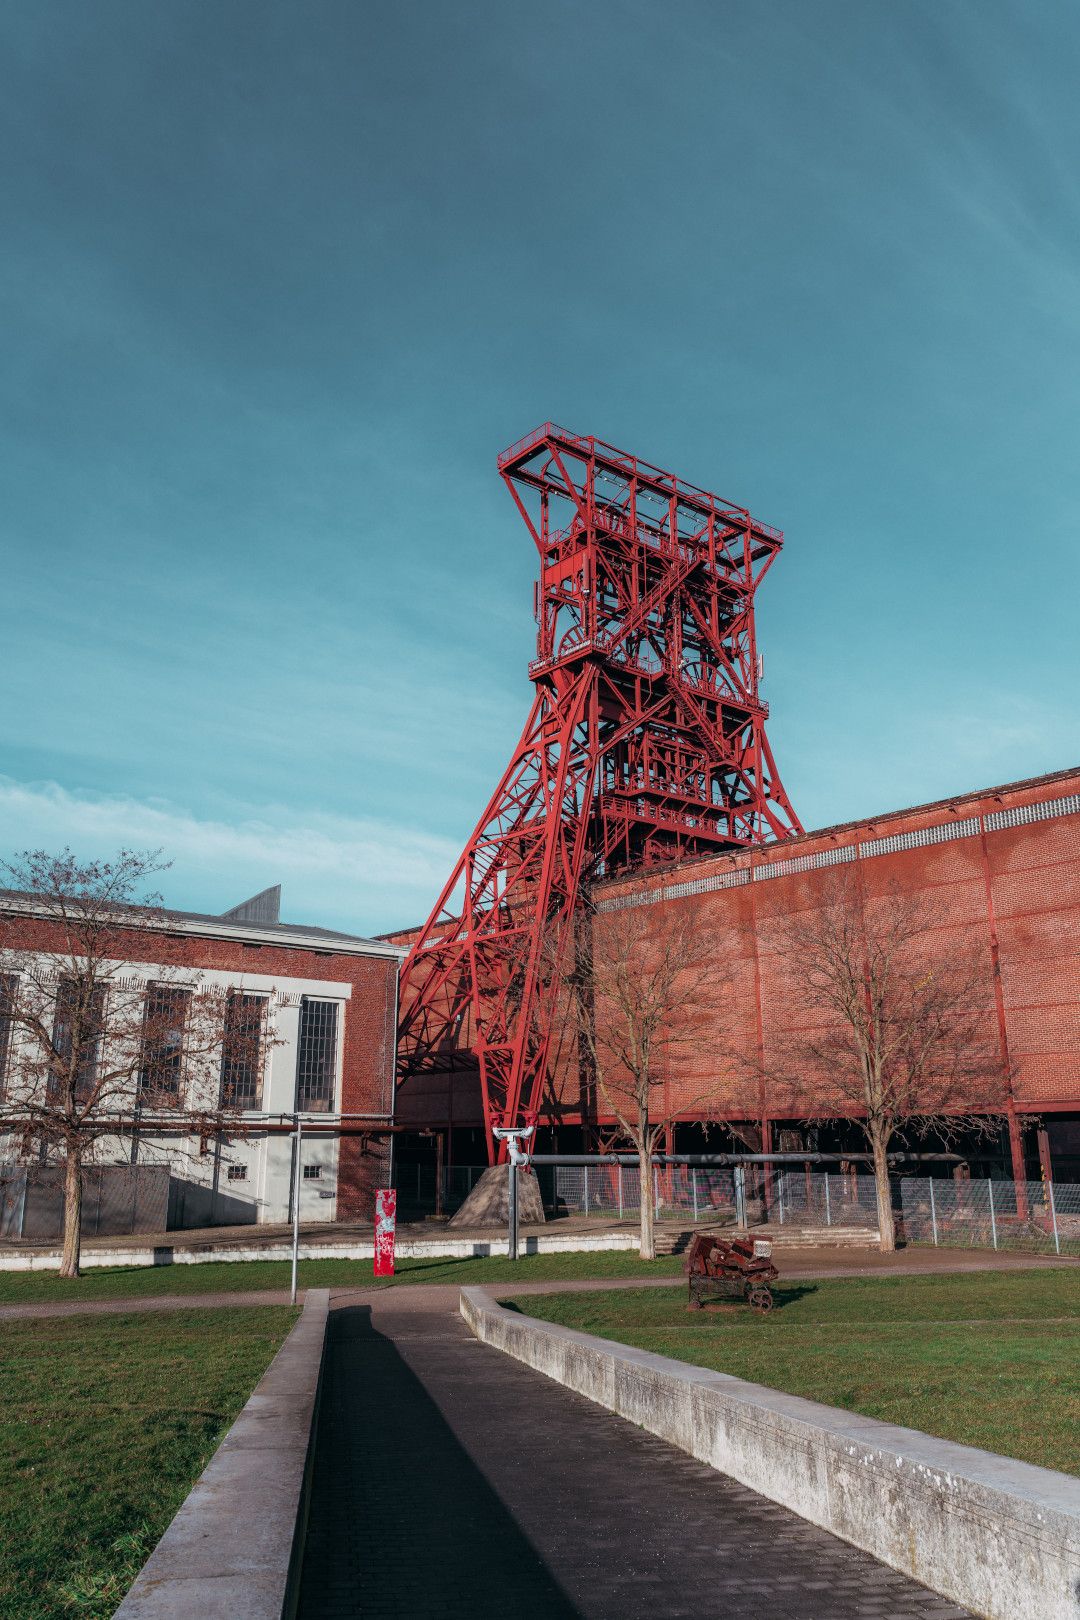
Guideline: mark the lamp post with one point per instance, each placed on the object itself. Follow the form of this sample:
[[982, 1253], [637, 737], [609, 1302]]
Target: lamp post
[[296, 1208], [513, 1136]]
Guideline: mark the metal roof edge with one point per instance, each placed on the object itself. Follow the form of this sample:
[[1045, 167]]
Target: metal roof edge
[[290, 935], [779, 848]]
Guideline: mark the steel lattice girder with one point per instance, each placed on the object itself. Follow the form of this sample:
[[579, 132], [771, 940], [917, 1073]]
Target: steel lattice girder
[[645, 744]]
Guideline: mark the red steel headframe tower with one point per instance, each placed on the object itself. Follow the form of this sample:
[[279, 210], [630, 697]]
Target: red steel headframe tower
[[645, 744]]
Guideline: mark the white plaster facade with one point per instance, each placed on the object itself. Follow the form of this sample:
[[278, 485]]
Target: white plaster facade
[[247, 1175]]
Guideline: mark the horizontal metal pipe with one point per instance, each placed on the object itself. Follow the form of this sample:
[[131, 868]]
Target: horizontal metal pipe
[[703, 1159], [172, 1125]]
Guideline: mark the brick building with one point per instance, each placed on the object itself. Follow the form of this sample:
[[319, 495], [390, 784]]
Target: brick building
[[1001, 871], [325, 1005]]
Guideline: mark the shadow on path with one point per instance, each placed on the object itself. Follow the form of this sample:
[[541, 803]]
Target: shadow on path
[[402, 1522], [454, 1483]]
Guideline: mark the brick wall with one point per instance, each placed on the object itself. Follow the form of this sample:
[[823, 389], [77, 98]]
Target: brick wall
[[1001, 871], [368, 1053]]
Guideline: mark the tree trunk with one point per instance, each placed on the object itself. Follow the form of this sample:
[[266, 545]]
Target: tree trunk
[[73, 1191], [647, 1248], [886, 1224]]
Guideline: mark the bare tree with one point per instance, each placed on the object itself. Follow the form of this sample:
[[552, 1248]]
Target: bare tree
[[641, 992], [899, 1026], [106, 1030]]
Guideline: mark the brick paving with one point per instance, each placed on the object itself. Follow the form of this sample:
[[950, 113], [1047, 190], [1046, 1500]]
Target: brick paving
[[452, 1482]]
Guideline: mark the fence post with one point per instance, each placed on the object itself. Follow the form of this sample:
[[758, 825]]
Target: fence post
[[828, 1204], [656, 1190], [933, 1212], [740, 1196], [693, 1183], [586, 1189], [780, 1195], [620, 1192], [1053, 1217], [993, 1217], [512, 1205]]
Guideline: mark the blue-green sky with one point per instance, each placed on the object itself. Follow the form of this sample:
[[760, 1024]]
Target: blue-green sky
[[280, 280]]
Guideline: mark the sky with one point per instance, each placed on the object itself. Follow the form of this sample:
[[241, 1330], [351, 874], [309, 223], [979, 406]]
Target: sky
[[279, 281]]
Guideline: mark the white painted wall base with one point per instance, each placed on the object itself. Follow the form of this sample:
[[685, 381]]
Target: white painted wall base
[[411, 1249]]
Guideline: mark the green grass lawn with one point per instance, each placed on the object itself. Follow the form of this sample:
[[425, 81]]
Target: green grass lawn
[[221, 1276], [105, 1423], [991, 1359]]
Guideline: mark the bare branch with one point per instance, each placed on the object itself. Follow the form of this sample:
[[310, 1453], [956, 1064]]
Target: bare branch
[[896, 1029], [94, 1034], [639, 992]]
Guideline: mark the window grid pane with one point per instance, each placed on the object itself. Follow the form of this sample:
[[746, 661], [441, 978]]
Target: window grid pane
[[163, 1045], [65, 1019], [241, 1057], [8, 986], [316, 1064]]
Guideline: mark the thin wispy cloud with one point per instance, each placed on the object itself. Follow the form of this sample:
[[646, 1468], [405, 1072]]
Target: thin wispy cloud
[[363, 874]]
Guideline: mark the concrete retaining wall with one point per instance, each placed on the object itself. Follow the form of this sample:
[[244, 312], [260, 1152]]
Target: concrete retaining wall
[[233, 1550], [1000, 1537]]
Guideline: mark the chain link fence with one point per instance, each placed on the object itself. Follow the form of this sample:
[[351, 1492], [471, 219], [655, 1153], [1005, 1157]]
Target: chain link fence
[[1034, 1216], [826, 1198], [614, 1191], [753, 1196], [417, 1191]]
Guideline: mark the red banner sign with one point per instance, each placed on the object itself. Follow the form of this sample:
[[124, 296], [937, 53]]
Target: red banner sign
[[385, 1223]]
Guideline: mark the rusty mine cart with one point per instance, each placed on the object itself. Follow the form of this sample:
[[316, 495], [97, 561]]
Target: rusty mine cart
[[729, 1269]]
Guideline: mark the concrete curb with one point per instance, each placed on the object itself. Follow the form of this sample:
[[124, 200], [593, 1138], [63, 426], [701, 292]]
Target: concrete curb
[[233, 1550], [1002, 1538]]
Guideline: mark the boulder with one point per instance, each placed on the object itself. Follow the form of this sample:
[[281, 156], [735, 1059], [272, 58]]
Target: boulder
[[488, 1205]]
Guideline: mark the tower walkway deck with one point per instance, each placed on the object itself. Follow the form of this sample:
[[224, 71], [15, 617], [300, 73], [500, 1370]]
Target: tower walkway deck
[[452, 1482]]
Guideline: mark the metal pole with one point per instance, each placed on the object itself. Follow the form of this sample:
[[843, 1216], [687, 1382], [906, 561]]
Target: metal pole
[[1053, 1217], [586, 1189], [740, 1195], [933, 1212], [693, 1183], [780, 1195], [513, 1201], [620, 1192], [296, 1207], [828, 1205], [993, 1217], [656, 1190], [712, 1160]]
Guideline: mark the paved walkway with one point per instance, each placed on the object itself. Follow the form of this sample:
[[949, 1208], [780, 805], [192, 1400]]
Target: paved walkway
[[794, 1264], [452, 1482]]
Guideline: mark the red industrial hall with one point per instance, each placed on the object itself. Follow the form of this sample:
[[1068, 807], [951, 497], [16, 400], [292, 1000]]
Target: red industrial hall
[[644, 778]]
